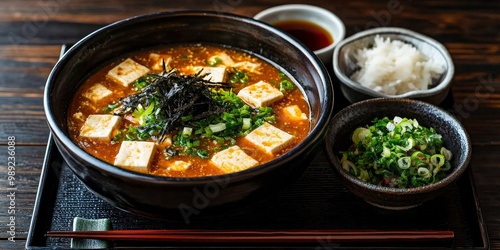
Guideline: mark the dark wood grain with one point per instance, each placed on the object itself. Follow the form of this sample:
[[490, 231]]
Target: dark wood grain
[[27, 174], [485, 168], [31, 32]]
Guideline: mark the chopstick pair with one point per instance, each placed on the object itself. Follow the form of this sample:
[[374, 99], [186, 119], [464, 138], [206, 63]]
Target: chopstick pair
[[258, 236]]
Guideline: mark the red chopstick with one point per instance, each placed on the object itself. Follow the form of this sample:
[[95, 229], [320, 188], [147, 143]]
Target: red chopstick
[[258, 236]]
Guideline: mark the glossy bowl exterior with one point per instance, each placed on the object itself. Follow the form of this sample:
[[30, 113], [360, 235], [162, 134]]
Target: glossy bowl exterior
[[344, 64], [151, 195], [362, 113]]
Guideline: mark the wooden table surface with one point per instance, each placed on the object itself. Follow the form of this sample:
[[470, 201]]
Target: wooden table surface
[[31, 34]]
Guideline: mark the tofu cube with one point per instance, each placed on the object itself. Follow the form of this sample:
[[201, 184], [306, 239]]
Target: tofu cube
[[225, 58], [269, 138], [159, 60], [135, 154], [127, 72], [97, 92], [100, 126], [233, 159], [293, 112], [215, 74], [248, 66], [154, 56], [179, 165], [260, 94]]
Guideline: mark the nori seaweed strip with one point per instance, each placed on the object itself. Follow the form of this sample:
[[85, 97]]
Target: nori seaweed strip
[[174, 97]]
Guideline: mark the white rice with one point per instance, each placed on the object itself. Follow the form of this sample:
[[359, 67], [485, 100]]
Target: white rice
[[394, 67]]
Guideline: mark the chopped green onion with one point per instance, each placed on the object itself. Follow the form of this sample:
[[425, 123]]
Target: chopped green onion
[[202, 153], [417, 155], [364, 175], [423, 172], [447, 153], [390, 126], [270, 118], [437, 160], [214, 61], [218, 140], [110, 107], [359, 135], [386, 152], [397, 120], [286, 85], [405, 125], [217, 127], [187, 118], [144, 114], [348, 166], [397, 153], [140, 83], [187, 131], [238, 77], [247, 123], [409, 145], [404, 162]]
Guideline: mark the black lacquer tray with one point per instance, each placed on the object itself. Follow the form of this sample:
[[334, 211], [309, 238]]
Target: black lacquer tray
[[316, 201]]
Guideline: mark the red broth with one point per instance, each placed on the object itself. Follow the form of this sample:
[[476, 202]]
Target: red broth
[[182, 59]]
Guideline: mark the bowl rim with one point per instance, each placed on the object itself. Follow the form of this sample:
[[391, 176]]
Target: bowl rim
[[441, 86], [400, 102], [315, 134], [309, 8]]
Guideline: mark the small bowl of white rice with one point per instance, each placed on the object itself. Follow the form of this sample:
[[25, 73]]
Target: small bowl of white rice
[[393, 62]]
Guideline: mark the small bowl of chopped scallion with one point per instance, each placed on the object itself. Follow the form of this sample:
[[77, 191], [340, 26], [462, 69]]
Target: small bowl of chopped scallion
[[397, 153]]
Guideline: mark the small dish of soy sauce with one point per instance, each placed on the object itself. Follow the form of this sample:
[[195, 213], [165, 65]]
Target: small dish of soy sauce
[[317, 28]]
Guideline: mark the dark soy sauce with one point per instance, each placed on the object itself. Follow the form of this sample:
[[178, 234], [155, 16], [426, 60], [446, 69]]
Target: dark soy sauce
[[310, 34]]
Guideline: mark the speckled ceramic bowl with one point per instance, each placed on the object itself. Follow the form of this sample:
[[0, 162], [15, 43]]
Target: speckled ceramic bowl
[[344, 64], [454, 135]]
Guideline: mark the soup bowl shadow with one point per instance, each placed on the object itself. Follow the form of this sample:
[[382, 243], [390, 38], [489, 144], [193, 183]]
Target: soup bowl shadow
[[361, 114], [155, 196]]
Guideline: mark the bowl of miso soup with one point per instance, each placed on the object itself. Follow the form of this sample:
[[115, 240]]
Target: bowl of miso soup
[[187, 111]]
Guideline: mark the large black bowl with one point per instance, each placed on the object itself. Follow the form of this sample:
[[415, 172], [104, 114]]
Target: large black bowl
[[150, 195]]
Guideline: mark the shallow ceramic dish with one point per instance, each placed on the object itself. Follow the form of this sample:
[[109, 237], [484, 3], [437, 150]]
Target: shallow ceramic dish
[[152, 195], [344, 64], [360, 114], [314, 14]]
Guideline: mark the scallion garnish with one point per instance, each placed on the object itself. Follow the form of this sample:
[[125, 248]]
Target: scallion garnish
[[397, 153], [238, 77], [213, 61]]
